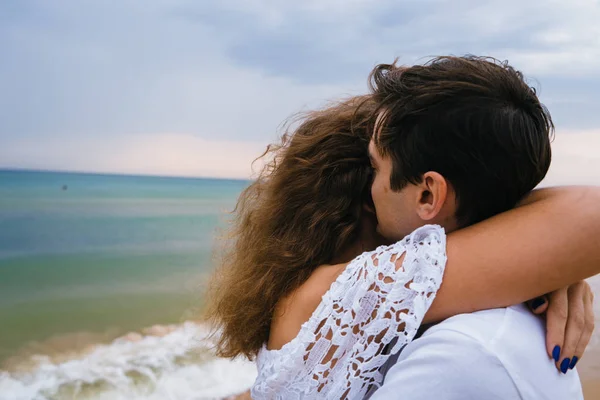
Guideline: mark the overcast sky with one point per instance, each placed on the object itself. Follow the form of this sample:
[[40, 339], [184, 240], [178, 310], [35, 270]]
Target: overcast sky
[[198, 88]]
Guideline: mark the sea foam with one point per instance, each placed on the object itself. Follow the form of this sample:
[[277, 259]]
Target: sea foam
[[168, 363]]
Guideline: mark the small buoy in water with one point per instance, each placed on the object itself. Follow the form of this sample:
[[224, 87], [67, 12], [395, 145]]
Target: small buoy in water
[[64, 187]]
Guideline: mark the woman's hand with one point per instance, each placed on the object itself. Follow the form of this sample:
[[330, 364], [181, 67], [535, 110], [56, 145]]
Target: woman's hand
[[569, 321]]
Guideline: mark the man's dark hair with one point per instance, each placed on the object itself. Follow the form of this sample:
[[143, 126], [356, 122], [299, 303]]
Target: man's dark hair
[[474, 120]]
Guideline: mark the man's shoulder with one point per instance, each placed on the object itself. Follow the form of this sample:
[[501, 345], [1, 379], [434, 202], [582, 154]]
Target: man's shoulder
[[494, 328], [447, 364], [508, 344]]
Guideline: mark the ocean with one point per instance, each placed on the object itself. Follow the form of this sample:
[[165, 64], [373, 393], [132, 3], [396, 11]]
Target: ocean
[[101, 281], [101, 278]]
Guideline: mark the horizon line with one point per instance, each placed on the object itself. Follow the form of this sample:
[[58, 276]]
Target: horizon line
[[125, 174]]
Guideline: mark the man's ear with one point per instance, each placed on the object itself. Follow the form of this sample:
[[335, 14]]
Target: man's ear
[[432, 195]]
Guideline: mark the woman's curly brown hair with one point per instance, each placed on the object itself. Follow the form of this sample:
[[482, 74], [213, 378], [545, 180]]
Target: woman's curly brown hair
[[304, 208]]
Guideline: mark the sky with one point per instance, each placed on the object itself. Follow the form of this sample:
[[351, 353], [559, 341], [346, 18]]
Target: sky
[[199, 88]]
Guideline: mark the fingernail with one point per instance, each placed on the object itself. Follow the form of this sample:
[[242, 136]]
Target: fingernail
[[564, 365], [556, 353], [537, 303], [573, 362]]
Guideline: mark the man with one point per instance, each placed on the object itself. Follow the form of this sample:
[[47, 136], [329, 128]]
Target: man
[[457, 141]]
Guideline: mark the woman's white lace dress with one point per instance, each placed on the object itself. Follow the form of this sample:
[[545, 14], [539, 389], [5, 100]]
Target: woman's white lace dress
[[370, 313]]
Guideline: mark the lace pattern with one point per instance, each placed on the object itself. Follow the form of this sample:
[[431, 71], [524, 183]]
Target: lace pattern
[[370, 312]]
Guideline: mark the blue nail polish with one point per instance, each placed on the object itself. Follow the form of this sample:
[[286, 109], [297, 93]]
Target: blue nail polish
[[556, 353], [573, 362], [564, 365], [537, 303]]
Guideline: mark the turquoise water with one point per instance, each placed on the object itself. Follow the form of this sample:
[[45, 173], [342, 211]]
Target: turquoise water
[[103, 253], [86, 259]]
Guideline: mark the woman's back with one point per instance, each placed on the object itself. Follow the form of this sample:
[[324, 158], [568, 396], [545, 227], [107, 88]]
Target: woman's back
[[297, 308], [370, 311]]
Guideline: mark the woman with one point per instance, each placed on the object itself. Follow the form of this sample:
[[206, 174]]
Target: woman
[[306, 221]]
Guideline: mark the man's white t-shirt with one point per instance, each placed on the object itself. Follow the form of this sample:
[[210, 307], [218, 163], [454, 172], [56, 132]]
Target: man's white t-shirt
[[492, 354]]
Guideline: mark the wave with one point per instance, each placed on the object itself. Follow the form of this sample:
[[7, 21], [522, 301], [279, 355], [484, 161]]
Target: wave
[[162, 363]]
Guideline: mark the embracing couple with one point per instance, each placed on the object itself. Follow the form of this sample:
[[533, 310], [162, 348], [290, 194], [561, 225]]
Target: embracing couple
[[360, 259]]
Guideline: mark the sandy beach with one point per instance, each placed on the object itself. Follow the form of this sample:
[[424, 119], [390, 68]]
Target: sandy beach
[[589, 371], [591, 390]]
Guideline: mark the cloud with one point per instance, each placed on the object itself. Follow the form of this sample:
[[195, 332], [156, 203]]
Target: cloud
[[324, 41], [554, 43], [575, 159], [232, 71], [168, 154], [89, 70]]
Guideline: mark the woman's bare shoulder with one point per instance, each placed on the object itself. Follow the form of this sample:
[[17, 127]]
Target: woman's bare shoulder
[[297, 308]]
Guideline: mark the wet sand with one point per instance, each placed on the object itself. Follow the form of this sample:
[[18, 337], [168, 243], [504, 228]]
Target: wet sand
[[591, 390], [589, 372]]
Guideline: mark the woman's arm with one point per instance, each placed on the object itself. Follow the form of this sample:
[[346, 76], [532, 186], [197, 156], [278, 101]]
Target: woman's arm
[[550, 241]]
